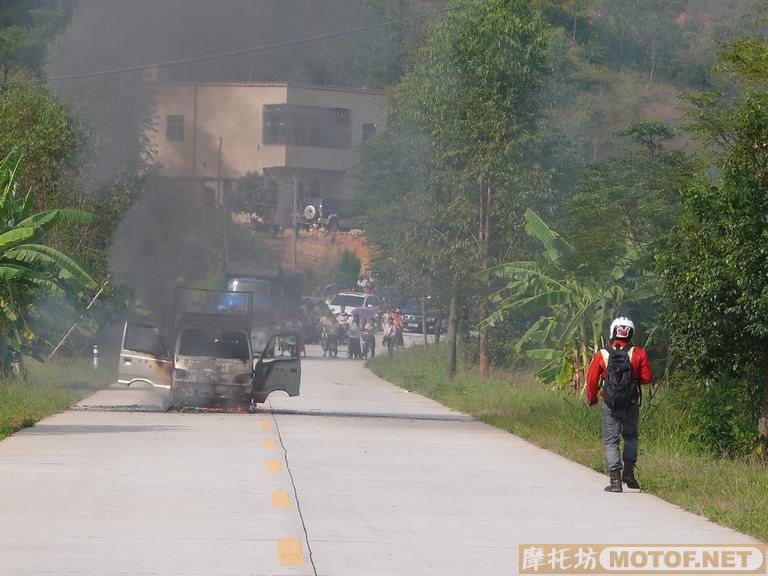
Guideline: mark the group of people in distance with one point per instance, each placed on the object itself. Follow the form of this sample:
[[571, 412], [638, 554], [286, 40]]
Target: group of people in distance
[[360, 333]]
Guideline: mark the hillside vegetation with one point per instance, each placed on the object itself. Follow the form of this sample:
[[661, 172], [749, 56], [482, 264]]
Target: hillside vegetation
[[604, 159]]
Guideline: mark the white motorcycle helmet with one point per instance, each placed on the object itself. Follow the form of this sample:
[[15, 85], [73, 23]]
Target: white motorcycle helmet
[[622, 327]]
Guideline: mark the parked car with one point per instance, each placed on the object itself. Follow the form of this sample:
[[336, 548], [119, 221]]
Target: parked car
[[352, 300], [412, 318]]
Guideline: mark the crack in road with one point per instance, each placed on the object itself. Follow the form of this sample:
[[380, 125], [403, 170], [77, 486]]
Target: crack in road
[[384, 415], [274, 413], [119, 408]]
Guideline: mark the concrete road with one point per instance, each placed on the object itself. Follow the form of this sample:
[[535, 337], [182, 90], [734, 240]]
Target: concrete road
[[356, 477]]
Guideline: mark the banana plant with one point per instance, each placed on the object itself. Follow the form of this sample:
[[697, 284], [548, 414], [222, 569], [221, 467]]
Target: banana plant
[[30, 268], [573, 304]]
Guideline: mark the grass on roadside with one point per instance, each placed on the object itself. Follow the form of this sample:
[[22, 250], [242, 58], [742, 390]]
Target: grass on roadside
[[728, 491], [45, 390]]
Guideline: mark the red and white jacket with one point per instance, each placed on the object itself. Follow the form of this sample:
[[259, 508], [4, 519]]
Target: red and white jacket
[[641, 369]]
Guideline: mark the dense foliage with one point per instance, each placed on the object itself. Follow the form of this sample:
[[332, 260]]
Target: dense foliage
[[30, 269], [26, 28], [715, 271], [666, 226]]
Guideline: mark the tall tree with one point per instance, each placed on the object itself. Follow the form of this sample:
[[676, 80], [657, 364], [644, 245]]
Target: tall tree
[[715, 272], [476, 90], [416, 214], [40, 128]]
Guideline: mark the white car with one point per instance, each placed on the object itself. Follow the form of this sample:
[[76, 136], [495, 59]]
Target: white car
[[352, 300]]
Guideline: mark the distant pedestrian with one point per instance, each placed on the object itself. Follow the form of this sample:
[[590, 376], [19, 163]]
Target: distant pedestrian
[[622, 368], [344, 320], [399, 324], [390, 335], [353, 347], [369, 339]]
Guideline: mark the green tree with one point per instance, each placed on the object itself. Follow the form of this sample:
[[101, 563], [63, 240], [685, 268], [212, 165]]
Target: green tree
[[574, 304], [40, 128], [418, 216], [26, 28], [633, 198], [475, 90], [254, 197], [715, 272], [29, 267]]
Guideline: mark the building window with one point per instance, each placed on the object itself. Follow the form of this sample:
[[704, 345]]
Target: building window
[[174, 128], [306, 126], [369, 130], [274, 124]]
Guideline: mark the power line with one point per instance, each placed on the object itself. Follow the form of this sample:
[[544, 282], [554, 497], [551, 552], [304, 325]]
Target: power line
[[252, 50]]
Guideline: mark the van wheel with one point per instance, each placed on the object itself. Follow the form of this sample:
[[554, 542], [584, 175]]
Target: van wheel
[[333, 225]]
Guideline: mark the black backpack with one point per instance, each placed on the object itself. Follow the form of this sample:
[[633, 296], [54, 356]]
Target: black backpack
[[619, 385]]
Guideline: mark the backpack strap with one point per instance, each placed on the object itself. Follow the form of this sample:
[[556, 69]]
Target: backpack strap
[[606, 354]]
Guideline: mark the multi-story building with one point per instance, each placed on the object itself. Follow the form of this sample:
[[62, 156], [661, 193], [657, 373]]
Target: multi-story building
[[300, 138]]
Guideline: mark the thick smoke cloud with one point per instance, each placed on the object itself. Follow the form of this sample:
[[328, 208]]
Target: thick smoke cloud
[[119, 33], [170, 236], [173, 234]]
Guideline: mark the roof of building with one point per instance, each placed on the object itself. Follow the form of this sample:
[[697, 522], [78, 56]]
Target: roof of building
[[278, 85]]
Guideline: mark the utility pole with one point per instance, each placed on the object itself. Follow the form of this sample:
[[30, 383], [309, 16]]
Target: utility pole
[[222, 204], [295, 223], [219, 184]]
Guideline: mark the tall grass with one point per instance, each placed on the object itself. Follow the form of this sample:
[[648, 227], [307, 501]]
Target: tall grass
[[46, 389], [729, 491]]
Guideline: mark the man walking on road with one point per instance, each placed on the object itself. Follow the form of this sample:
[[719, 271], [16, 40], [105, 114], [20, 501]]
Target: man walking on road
[[623, 368]]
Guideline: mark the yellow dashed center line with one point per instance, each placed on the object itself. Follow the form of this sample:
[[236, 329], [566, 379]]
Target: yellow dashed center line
[[289, 551], [280, 499]]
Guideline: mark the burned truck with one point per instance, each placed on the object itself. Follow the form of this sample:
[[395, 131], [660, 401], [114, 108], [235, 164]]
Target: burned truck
[[214, 361], [212, 355]]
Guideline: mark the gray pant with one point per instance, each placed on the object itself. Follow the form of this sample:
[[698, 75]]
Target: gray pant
[[616, 425]]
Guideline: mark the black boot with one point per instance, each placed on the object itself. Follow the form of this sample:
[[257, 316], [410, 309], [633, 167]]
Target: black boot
[[629, 476], [615, 485]]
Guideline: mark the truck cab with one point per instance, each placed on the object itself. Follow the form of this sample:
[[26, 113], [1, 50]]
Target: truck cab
[[215, 363], [212, 364]]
